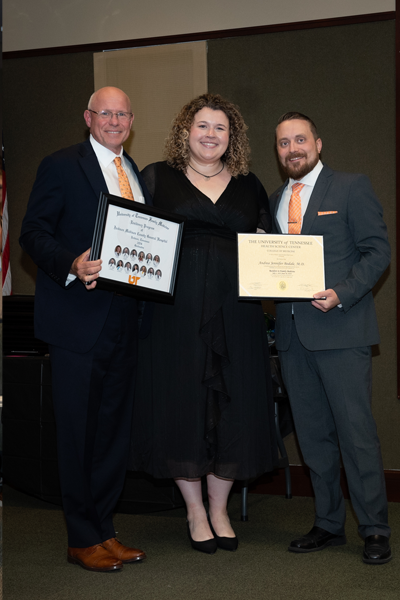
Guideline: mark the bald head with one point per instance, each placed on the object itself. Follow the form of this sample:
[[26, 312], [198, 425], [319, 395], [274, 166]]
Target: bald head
[[106, 93], [112, 129]]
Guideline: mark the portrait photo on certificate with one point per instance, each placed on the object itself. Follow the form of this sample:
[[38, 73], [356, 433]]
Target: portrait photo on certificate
[[280, 266], [139, 246]]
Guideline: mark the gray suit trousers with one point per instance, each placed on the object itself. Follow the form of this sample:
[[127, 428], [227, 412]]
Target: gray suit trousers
[[330, 397]]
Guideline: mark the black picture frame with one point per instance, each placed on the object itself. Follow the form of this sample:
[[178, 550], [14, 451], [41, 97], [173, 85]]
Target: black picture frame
[[120, 222]]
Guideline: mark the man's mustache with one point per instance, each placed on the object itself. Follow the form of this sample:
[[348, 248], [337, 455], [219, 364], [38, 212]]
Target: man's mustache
[[296, 155]]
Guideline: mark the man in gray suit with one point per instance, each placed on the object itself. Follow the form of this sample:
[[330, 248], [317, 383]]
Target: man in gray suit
[[325, 345]]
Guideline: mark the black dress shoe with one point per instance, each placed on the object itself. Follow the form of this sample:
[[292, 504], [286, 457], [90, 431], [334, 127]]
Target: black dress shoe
[[208, 546], [377, 550], [316, 539], [225, 543]]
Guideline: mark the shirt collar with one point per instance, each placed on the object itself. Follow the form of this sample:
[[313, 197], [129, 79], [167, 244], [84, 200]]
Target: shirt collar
[[311, 177], [104, 155]]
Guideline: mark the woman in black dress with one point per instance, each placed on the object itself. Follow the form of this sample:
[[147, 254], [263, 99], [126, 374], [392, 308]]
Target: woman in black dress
[[209, 409]]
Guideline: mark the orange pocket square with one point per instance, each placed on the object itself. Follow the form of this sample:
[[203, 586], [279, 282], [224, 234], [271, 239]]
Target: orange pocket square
[[327, 212]]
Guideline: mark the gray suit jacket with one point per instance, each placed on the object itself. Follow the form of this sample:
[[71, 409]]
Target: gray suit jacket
[[357, 252]]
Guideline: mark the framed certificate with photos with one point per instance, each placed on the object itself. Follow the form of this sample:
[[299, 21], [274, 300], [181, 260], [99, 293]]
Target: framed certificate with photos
[[139, 246]]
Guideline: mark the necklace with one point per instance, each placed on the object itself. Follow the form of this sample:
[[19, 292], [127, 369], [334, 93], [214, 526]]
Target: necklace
[[207, 176]]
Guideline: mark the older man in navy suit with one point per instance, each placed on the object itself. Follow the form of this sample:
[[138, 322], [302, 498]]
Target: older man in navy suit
[[92, 334], [325, 345]]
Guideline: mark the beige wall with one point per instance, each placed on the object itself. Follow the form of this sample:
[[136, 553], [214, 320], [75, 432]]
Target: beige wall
[[29, 24], [170, 75]]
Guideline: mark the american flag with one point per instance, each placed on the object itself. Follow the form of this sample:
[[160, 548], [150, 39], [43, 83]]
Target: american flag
[[5, 241]]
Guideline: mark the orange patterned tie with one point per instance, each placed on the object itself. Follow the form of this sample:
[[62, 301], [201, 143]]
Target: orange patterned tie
[[126, 191], [295, 209]]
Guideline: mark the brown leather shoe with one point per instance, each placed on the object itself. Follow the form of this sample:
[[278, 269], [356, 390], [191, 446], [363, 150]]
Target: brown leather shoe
[[94, 558], [123, 553]]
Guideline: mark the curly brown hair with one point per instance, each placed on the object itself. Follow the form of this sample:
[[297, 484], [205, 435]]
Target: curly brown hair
[[237, 154]]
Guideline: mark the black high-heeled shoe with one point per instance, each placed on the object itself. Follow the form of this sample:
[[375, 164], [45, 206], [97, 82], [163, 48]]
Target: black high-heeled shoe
[[225, 543], [208, 546]]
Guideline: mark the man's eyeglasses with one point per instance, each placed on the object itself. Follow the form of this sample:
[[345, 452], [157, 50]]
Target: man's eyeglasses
[[108, 114]]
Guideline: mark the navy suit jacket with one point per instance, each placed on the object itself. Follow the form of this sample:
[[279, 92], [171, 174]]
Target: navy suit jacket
[[58, 227], [357, 252]]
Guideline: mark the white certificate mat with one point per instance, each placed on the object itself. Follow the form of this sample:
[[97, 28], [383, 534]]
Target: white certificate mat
[[280, 266], [139, 246], [150, 248]]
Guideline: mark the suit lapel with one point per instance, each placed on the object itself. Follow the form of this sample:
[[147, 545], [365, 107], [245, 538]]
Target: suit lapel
[[91, 168], [318, 194], [276, 206]]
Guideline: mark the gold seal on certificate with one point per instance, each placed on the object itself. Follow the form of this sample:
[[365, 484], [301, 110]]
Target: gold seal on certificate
[[280, 266]]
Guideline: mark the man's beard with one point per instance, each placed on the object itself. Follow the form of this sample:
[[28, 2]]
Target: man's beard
[[294, 170]]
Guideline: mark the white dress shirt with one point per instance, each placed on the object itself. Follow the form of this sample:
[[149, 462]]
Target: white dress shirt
[[107, 165], [309, 181], [282, 214]]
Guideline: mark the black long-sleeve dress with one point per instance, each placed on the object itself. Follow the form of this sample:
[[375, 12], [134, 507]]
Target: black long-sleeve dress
[[204, 396]]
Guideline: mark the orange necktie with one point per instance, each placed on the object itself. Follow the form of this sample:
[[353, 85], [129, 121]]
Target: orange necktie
[[294, 223], [126, 191]]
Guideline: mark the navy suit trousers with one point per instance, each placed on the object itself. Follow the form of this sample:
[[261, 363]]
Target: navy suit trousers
[[93, 402]]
